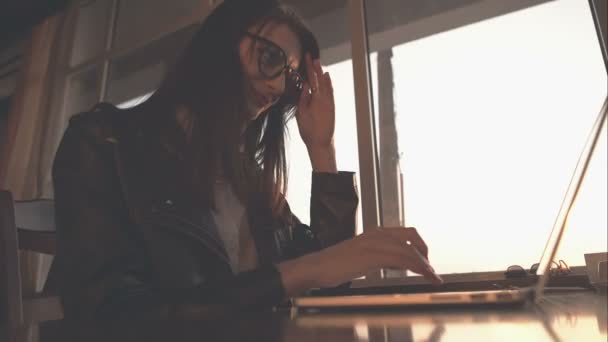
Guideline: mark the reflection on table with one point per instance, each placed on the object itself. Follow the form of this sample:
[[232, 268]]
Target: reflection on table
[[579, 316]]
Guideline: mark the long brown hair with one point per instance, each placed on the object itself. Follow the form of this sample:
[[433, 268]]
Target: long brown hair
[[207, 82]]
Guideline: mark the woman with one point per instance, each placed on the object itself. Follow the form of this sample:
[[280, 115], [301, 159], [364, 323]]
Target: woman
[[176, 205]]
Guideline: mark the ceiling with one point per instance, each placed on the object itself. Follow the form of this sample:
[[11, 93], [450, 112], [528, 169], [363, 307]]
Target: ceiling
[[311, 9], [18, 16]]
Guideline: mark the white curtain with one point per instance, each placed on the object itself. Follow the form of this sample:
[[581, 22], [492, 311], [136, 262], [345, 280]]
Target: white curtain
[[27, 146]]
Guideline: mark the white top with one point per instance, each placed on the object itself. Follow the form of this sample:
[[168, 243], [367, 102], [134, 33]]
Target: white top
[[232, 222]]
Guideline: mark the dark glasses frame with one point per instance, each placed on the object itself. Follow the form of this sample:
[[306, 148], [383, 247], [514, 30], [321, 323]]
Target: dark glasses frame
[[293, 76]]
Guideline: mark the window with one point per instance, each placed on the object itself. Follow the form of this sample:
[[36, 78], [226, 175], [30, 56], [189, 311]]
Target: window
[[329, 23], [487, 115], [113, 52], [140, 72], [91, 31], [119, 52], [83, 89], [147, 19]]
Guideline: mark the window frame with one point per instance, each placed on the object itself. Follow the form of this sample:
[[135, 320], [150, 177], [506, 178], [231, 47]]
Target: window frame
[[370, 194], [63, 71], [364, 43], [109, 53]]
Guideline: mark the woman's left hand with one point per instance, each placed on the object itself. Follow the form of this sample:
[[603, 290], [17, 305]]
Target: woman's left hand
[[316, 109]]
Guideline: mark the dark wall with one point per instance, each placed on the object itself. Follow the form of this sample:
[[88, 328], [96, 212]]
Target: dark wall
[[5, 105], [601, 8], [18, 16]]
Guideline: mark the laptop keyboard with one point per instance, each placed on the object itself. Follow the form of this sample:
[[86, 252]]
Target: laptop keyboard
[[483, 285], [417, 288]]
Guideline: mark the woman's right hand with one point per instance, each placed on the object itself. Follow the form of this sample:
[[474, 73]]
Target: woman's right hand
[[395, 248]]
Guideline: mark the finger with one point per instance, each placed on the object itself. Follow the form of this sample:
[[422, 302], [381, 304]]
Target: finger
[[319, 73], [310, 72], [398, 257], [394, 255], [304, 97], [328, 81], [421, 266], [417, 241], [324, 82], [429, 274], [315, 84], [395, 252], [318, 66], [409, 236]]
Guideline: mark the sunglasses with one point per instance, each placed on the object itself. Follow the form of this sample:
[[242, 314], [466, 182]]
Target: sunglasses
[[557, 268], [272, 62]]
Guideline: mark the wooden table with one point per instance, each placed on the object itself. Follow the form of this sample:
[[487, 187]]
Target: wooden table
[[579, 316]]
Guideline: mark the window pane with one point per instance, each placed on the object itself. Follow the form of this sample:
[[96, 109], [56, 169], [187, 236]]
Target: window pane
[[140, 72], [588, 223], [143, 19], [82, 91], [329, 22], [490, 117], [91, 28]]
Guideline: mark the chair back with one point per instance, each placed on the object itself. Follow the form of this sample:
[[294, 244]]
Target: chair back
[[35, 221], [11, 306], [24, 225], [35, 215]]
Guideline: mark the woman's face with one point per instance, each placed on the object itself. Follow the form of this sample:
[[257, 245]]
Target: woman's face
[[262, 91]]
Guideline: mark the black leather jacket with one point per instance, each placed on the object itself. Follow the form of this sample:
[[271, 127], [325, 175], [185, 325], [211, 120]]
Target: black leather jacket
[[130, 244]]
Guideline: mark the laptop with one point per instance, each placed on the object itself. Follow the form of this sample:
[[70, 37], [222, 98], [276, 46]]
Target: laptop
[[517, 291], [510, 292]]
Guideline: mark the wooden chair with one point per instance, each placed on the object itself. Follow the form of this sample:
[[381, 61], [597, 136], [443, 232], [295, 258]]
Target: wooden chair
[[24, 225]]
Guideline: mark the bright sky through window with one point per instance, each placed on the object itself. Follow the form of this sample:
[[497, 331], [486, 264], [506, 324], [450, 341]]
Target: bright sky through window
[[491, 119]]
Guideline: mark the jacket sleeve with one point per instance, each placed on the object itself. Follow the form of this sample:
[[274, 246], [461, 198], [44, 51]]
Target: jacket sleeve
[[333, 207], [333, 213], [105, 269]]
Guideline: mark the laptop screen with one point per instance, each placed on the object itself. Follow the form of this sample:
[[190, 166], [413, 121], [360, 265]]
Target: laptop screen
[[582, 165], [571, 193]]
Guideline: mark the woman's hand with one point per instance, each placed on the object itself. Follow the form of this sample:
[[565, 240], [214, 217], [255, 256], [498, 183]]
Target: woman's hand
[[316, 109], [316, 117], [397, 248]]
